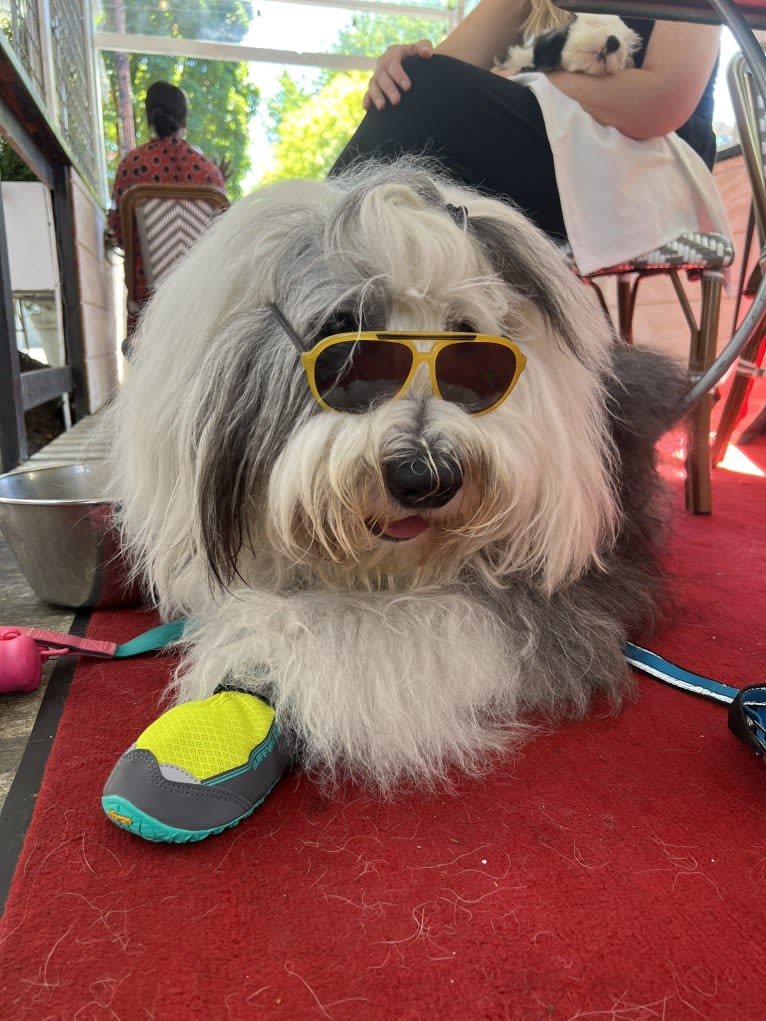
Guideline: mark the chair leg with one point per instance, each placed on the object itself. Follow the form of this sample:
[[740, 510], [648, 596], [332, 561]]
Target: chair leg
[[626, 303], [736, 397], [701, 355], [601, 299]]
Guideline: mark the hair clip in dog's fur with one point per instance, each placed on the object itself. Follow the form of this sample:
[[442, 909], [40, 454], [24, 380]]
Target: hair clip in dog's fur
[[459, 214]]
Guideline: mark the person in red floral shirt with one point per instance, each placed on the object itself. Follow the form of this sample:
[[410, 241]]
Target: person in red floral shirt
[[167, 158]]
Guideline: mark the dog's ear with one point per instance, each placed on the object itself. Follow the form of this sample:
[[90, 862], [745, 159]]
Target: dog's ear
[[241, 426], [548, 48], [533, 271]]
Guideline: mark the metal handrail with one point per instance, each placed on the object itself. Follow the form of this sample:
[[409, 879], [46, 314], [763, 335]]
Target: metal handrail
[[754, 321]]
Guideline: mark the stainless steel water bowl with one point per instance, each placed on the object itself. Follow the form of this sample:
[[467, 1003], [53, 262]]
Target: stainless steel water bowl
[[59, 524]]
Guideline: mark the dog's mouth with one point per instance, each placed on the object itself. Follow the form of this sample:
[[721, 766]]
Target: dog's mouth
[[400, 531]]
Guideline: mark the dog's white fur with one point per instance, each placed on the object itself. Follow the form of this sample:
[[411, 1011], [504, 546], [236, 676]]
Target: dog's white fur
[[248, 508], [584, 47]]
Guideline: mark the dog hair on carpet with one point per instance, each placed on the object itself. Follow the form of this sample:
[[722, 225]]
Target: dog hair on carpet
[[268, 520]]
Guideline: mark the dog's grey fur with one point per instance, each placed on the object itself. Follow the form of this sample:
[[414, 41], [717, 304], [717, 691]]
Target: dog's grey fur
[[249, 508]]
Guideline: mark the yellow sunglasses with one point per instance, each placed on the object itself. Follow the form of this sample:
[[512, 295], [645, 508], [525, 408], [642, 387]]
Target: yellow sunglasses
[[351, 372]]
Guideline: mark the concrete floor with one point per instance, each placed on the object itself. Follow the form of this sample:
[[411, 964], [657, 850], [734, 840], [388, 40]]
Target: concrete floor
[[86, 441]]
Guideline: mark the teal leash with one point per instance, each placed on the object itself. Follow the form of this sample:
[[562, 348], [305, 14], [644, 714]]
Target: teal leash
[[747, 706], [674, 675], [149, 641]]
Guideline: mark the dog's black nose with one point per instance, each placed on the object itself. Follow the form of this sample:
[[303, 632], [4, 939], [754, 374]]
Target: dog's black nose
[[612, 44], [423, 483]]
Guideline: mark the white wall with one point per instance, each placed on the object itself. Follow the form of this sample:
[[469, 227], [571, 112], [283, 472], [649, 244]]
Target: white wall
[[97, 288]]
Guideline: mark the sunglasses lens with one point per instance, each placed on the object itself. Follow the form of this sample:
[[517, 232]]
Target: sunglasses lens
[[475, 374], [353, 375]]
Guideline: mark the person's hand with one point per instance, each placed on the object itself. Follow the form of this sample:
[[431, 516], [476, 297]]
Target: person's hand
[[389, 79]]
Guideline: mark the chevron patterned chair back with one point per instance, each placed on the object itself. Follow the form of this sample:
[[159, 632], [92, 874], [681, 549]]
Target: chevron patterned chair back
[[168, 219]]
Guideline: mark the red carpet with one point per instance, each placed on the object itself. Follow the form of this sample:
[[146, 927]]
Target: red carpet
[[614, 869]]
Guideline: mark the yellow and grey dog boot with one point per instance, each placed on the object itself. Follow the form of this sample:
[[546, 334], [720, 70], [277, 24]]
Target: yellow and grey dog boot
[[198, 769]]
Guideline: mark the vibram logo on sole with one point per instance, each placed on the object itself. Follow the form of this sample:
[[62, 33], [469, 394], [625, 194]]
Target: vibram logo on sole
[[124, 820]]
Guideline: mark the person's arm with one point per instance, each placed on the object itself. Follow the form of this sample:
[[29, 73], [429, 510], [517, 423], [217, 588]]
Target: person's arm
[[223, 165], [219, 172], [481, 38], [658, 97]]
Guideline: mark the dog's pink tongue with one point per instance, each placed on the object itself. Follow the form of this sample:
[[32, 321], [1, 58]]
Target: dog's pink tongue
[[407, 528]]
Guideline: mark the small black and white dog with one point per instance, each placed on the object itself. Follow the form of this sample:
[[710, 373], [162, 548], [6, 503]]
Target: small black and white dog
[[596, 44], [381, 446]]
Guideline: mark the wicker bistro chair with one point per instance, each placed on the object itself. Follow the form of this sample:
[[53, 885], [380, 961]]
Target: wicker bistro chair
[[750, 115], [166, 220], [703, 257], [741, 17]]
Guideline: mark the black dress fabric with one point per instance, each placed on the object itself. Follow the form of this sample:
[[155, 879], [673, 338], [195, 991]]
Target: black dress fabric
[[487, 132]]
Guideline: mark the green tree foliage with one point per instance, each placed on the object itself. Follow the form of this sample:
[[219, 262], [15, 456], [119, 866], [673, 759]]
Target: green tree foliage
[[311, 127], [12, 166], [221, 99], [311, 123], [368, 35]]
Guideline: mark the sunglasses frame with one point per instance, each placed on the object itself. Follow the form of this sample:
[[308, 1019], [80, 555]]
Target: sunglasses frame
[[439, 341]]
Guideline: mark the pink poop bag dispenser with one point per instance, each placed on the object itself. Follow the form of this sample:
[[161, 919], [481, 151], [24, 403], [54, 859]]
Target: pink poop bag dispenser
[[23, 650]]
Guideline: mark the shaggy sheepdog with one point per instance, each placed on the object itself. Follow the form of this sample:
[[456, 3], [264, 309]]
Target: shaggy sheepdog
[[382, 448], [596, 44]]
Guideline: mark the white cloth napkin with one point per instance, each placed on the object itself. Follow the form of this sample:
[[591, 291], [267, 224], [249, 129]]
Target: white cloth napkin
[[620, 197]]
